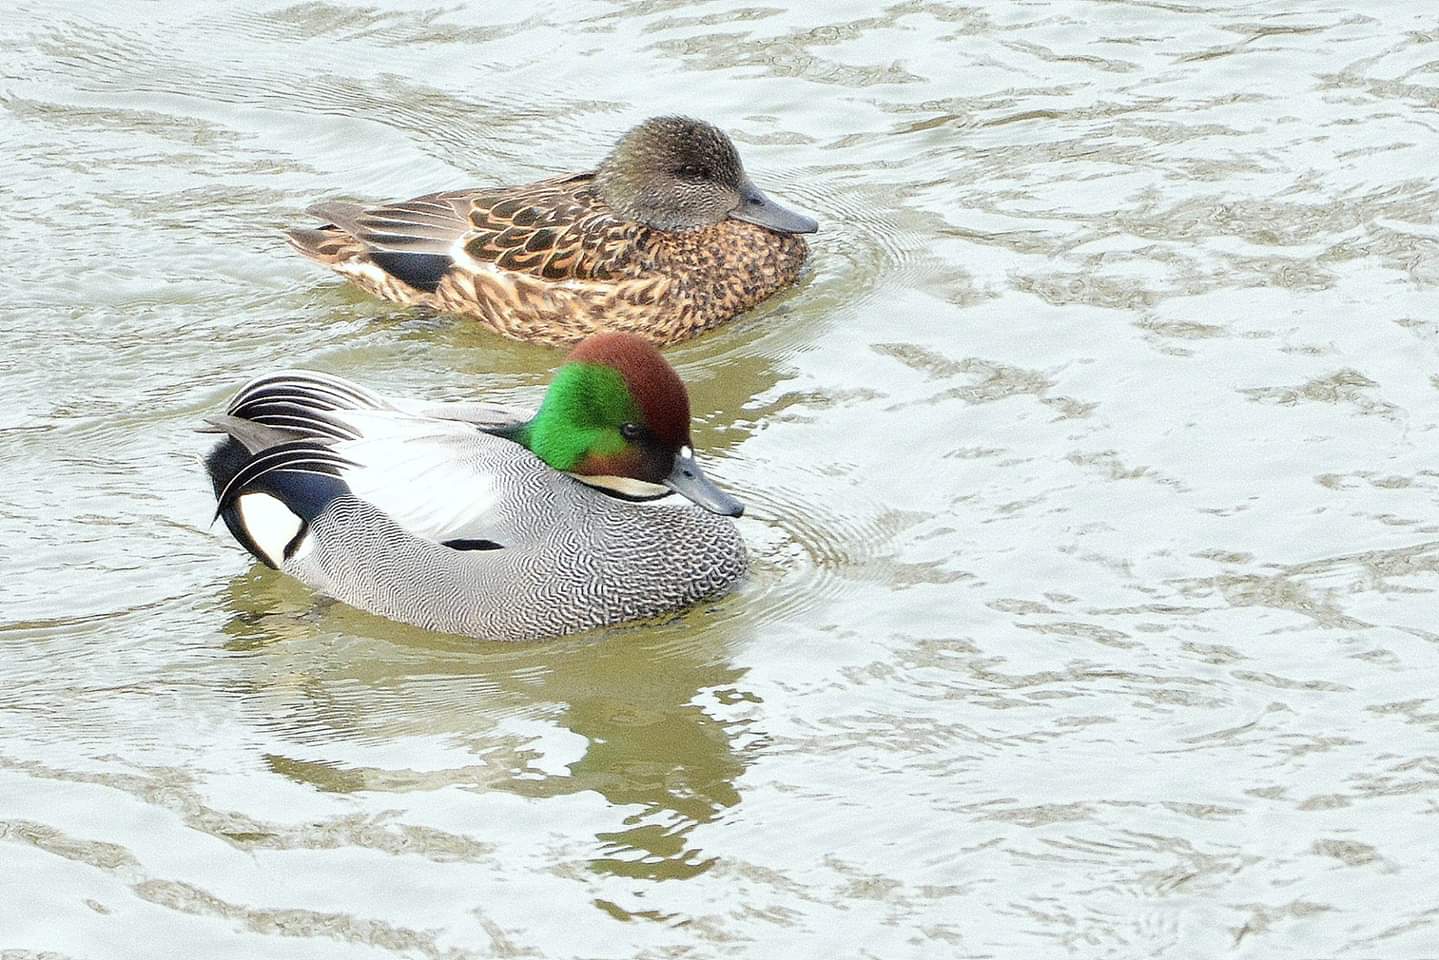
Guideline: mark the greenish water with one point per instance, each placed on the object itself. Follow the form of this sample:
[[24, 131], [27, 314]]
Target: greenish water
[[1090, 469]]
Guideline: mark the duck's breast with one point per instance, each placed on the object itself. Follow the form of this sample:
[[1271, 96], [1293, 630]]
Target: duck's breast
[[731, 266]]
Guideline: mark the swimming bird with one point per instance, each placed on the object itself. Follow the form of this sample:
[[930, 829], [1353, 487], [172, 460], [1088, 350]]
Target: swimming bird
[[666, 238], [467, 518]]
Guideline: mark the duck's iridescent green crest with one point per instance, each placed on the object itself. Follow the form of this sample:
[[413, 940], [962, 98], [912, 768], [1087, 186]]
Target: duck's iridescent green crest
[[616, 411]]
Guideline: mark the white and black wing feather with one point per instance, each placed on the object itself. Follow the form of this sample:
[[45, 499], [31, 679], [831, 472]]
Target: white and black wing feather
[[418, 462]]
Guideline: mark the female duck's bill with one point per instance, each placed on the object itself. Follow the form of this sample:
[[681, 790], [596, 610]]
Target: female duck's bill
[[754, 207]]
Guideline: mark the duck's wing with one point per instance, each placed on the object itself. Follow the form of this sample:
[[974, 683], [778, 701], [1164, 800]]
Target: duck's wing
[[435, 475], [555, 230], [439, 479], [429, 224], [291, 399], [558, 229], [412, 240], [486, 416], [298, 401]]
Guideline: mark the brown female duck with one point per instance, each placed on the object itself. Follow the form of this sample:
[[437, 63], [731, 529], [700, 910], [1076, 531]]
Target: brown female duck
[[667, 238]]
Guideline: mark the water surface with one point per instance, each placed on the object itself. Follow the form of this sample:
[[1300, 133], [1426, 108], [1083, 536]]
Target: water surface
[[1090, 468]]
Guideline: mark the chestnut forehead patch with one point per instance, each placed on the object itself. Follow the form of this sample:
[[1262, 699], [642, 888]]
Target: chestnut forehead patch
[[652, 382]]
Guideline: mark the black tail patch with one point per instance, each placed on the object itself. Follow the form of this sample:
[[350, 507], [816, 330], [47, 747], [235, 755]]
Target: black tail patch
[[224, 461], [303, 475], [422, 271]]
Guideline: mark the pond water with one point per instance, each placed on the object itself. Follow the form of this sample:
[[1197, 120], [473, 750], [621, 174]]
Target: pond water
[[1091, 477]]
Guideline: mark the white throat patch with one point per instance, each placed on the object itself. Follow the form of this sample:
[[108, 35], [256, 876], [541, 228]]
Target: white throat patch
[[625, 486]]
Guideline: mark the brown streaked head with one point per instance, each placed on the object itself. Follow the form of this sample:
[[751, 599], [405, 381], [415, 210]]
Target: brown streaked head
[[676, 173]]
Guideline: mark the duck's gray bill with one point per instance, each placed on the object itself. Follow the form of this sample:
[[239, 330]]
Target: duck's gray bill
[[755, 207], [688, 480]]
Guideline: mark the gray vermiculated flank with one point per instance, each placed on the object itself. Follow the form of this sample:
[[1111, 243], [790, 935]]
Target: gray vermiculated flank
[[585, 577], [580, 560]]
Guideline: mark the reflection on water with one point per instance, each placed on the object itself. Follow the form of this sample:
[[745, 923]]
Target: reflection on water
[[634, 701], [1089, 470]]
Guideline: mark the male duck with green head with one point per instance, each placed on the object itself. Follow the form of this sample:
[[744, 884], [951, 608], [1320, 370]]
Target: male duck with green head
[[617, 416], [444, 516]]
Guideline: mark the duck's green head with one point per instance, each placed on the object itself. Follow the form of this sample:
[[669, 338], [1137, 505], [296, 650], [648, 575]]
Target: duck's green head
[[617, 416], [674, 173]]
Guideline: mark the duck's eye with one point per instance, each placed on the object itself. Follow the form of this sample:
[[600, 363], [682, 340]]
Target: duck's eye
[[691, 172], [631, 431]]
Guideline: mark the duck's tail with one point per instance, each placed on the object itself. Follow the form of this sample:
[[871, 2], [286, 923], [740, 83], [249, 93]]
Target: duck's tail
[[328, 245], [268, 498], [399, 251], [278, 422]]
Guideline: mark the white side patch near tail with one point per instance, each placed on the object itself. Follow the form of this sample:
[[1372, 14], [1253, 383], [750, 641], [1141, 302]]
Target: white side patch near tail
[[270, 524], [363, 270]]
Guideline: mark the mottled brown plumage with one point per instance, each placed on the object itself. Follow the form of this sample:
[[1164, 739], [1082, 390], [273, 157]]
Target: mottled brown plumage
[[554, 261]]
